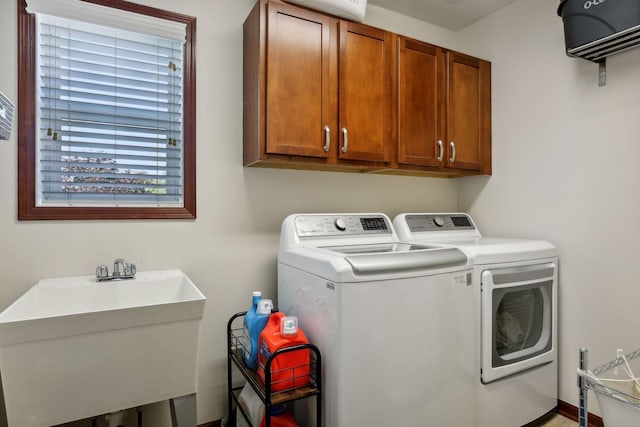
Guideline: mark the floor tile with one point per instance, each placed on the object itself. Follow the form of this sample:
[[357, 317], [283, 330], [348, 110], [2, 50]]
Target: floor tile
[[559, 421]]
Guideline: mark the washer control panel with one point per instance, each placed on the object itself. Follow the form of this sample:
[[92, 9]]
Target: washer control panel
[[435, 222], [337, 225]]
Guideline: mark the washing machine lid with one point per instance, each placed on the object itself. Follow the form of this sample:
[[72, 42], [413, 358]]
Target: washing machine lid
[[493, 250], [458, 230]]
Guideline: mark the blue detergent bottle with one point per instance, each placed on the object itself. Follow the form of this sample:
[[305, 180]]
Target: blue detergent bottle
[[254, 322], [249, 319]]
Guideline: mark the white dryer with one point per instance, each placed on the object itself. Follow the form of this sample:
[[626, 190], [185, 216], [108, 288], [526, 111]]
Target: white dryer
[[515, 313], [393, 321]]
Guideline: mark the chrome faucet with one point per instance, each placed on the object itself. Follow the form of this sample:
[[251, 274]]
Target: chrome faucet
[[121, 270]]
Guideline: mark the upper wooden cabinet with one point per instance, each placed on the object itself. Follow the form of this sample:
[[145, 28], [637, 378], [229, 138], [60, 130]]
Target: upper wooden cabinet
[[468, 132], [297, 83], [421, 103], [444, 110], [365, 93], [317, 90], [324, 93]]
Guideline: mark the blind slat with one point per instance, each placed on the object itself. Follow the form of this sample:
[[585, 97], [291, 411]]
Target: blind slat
[[59, 57], [130, 183], [107, 146], [83, 116], [110, 164], [121, 77], [58, 109], [161, 91], [117, 100]]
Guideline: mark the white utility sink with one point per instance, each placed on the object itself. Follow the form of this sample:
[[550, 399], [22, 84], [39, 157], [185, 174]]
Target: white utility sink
[[72, 348]]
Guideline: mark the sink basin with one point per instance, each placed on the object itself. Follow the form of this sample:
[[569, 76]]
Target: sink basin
[[74, 305], [71, 348]]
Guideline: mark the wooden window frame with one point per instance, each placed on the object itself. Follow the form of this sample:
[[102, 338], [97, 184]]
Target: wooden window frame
[[27, 145]]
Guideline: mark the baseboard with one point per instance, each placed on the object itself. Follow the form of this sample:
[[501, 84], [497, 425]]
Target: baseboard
[[217, 423], [569, 411]]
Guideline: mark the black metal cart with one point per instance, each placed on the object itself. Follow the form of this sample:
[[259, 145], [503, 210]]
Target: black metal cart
[[263, 389]]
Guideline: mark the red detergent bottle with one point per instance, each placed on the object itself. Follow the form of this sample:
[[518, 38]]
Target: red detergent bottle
[[290, 369], [280, 418]]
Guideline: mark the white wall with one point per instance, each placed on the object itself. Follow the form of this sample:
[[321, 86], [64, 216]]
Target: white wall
[[409, 27], [230, 249], [565, 168]]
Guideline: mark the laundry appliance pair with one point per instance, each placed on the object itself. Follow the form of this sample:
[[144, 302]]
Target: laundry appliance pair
[[422, 321]]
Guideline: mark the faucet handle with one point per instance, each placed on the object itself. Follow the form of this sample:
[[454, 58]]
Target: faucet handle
[[102, 272], [129, 269]]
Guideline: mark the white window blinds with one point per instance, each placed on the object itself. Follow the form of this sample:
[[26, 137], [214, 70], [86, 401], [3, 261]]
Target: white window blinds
[[110, 120]]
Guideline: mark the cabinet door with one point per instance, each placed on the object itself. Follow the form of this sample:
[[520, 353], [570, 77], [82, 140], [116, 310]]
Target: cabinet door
[[297, 81], [421, 98], [365, 92], [468, 104]]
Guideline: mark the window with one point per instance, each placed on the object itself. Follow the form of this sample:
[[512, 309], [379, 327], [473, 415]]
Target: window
[[106, 120]]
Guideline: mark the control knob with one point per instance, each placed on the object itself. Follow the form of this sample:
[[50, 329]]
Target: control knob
[[438, 221], [340, 224]]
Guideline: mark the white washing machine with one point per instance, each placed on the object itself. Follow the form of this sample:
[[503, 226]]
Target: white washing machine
[[515, 313], [393, 321]]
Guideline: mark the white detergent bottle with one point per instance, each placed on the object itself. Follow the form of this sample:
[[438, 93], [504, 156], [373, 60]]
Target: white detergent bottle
[[254, 408], [252, 405]]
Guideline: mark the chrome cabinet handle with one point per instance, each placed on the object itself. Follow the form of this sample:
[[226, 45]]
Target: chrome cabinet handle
[[440, 150], [345, 145], [327, 138], [453, 151]]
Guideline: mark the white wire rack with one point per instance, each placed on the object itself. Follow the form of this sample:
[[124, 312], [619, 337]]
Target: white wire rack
[[620, 402], [6, 116]]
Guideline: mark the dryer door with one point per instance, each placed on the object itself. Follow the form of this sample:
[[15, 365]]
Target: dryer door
[[517, 315]]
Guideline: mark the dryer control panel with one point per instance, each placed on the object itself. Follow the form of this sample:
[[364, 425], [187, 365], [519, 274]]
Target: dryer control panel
[[435, 222], [338, 225]]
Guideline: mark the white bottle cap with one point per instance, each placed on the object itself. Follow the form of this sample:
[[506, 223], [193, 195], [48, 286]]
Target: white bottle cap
[[257, 294], [289, 325], [264, 306]]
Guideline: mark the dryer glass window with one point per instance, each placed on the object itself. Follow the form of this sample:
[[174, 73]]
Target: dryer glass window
[[521, 322]]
